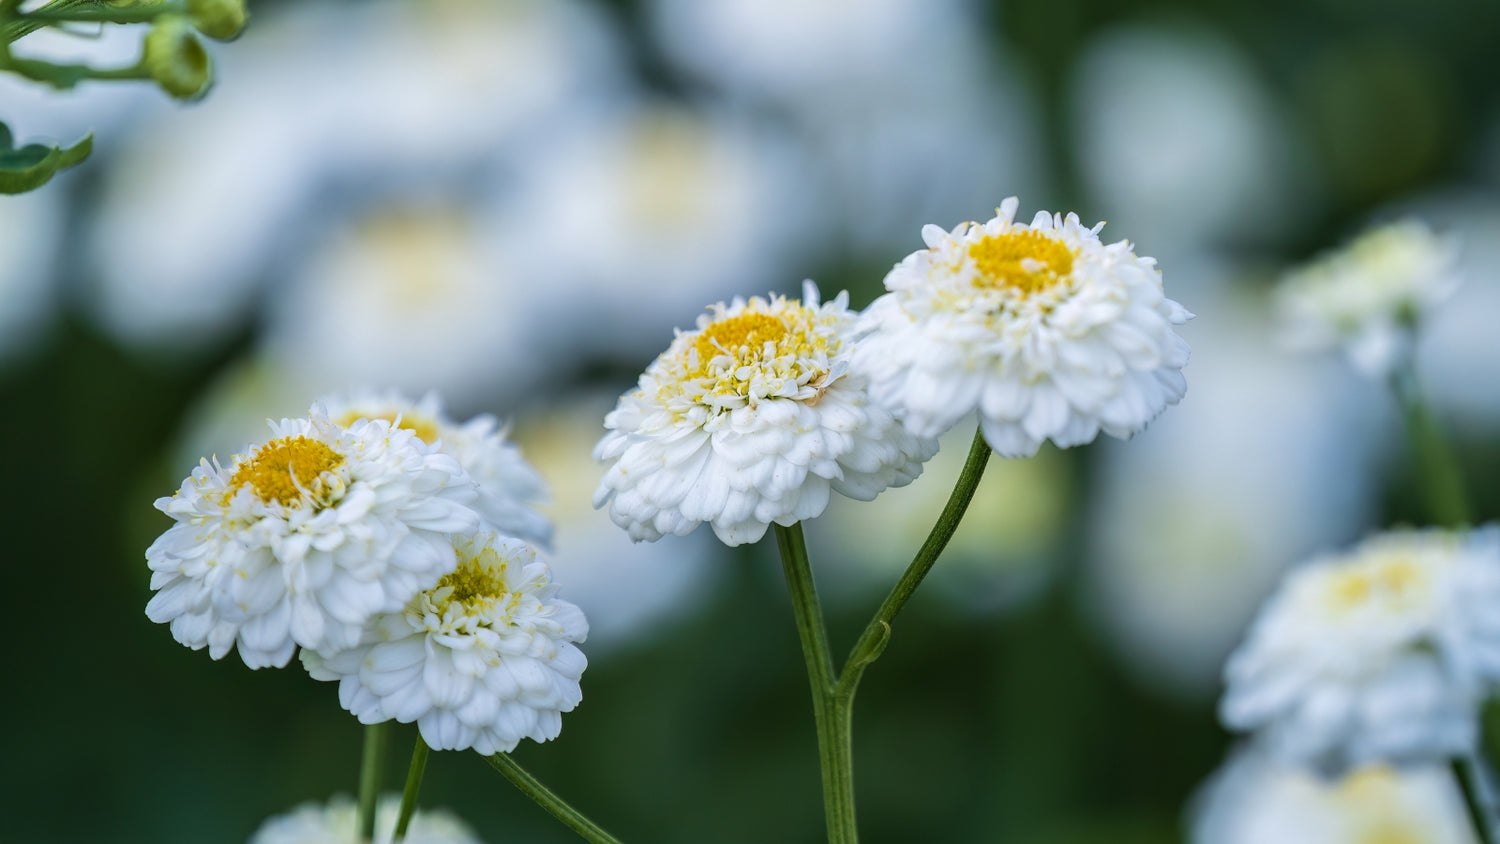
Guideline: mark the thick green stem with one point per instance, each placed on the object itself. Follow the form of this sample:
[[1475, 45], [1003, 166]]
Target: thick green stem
[[370, 764], [832, 711], [413, 785], [873, 640], [1441, 478], [556, 806], [1466, 773]]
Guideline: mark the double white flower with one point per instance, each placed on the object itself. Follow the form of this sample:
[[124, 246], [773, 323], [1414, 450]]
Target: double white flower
[[1048, 332], [1381, 654], [754, 418]]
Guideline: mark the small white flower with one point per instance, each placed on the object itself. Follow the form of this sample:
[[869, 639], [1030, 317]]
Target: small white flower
[[1254, 799], [483, 659], [751, 419], [509, 488], [338, 823], [1380, 654], [305, 538], [1048, 332], [1368, 297]]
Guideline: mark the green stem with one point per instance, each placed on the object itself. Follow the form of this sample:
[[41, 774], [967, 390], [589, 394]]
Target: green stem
[[1466, 772], [90, 13], [873, 640], [832, 711], [370, 764], [26, 23], [556, 806], [413, 785], [1441, 477]]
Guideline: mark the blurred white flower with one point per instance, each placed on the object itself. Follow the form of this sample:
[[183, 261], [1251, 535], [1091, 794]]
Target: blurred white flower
[[1254, 799], [421, 297], [888, 93], [306, 537], [1179, 553], [481, 660], [31, 227], [338, 823], [753, 418], [1179, 140], [509, 488], [205, 206], [1048, 332], [1000, 556], [631, 591], [1379, 654], [1369, 297], [644, 212]]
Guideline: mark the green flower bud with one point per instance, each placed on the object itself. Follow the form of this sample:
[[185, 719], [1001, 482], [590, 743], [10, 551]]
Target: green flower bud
[[176, 58], [218, 19]]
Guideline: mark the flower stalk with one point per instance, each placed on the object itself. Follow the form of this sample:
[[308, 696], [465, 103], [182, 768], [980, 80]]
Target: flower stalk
[[371, 762], [413, 785], [544, 797], [1441, 478], [1466, 773]]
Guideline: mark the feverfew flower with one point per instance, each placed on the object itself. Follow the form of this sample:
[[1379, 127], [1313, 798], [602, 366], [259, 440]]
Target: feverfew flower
[[1254, 799], [483, 659], [1379, 654], [751, 419], [304, 538], [338, 823], [1368, 297], [1048, 332], [509, 488]]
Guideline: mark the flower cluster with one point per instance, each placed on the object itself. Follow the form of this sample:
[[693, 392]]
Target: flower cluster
[[338, 823], [1380, 654], [1367, 297], [753, 418], [395, 548]]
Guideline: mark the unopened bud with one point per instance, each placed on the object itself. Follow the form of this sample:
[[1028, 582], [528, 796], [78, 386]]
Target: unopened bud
[[218, 19], [176, 58]]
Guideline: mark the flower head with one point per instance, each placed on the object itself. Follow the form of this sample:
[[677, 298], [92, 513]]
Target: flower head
[[1380, 654], [509, 488], [751, 419], [1367, 297], [1048, 332], [305, 537], [483, 659], [338, 823]]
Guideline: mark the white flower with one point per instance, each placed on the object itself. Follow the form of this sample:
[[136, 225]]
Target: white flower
[[338, 823], [1368, 297], [306, 537], [509, 488], [483, 659], [1380, 654], [1254, 799], [751, 419], [1048, 332]]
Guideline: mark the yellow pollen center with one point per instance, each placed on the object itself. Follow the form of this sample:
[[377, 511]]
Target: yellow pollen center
[[742, 336], [281, 466], [477, 579], [1025, 261], [425, 429], [1351, 590]]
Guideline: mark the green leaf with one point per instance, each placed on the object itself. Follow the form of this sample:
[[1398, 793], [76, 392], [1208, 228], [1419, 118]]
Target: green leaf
[[29, 167]]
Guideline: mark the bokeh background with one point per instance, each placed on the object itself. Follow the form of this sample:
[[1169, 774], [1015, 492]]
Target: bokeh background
[[513, 202]]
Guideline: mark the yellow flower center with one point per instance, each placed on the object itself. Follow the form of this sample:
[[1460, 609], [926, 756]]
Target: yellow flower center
[[478, 579], [743, 337], [1350, 590], [425, 429], [1025, 260], [1397, 579], [282, 468]]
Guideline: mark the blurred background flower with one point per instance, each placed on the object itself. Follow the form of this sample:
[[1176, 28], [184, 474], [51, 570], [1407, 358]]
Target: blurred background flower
[[514, 202]]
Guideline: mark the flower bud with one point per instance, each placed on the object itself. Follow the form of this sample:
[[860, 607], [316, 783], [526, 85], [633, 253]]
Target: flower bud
[[176, 58], [218, 19]]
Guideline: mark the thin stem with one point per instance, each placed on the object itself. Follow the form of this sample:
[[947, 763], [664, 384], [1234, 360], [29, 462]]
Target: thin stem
[[873, 640], [1466, 772], [832, 711], [413, 785], [1441, 478], [556, 806], [89, 13], [26, 23], [370, 764]]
